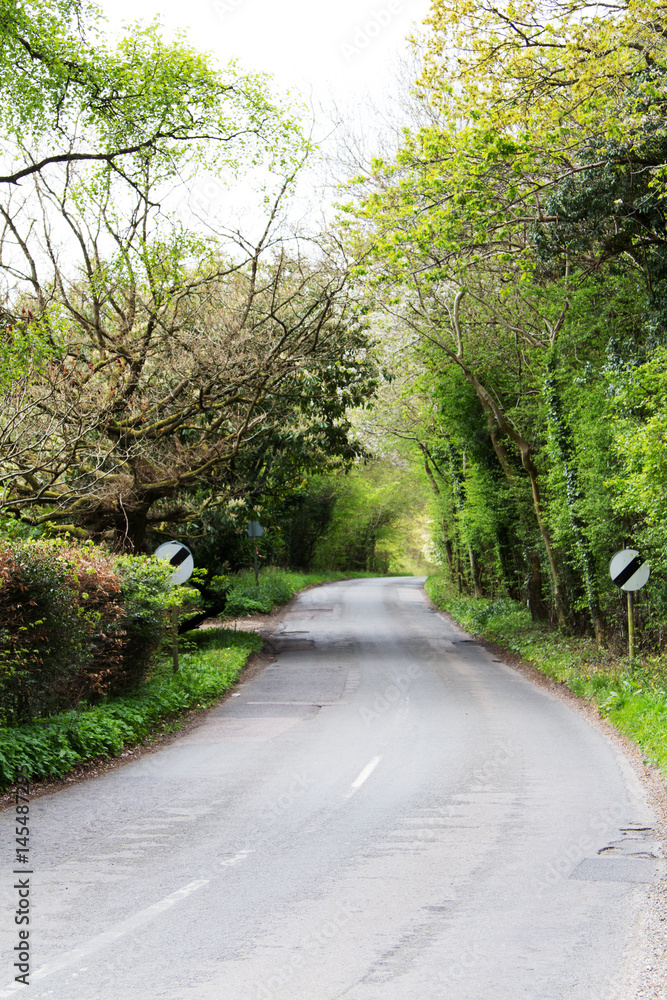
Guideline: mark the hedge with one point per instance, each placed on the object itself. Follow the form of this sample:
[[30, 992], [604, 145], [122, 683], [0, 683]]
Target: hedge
[[75, 624], [49, 748]]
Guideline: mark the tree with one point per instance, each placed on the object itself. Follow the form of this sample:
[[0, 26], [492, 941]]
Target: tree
[[177, 362], [67, 97], [531, 187], [544, 82], [121, 419]]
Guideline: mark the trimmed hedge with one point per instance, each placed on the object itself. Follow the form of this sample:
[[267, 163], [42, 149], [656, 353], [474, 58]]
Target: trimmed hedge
[[75, 624]]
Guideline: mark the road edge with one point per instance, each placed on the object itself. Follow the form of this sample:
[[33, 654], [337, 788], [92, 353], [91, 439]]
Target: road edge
[[649, 981]]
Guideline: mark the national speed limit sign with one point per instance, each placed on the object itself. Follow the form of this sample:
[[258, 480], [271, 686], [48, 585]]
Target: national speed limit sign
[[178, 556], [628, 570]]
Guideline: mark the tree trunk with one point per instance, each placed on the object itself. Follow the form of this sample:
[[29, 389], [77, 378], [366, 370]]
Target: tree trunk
[[526, 448], [536, 605], [459, 500], [448, 552], [565, 447], [495, 412], [528, 464], [476, 573], [131, 521]]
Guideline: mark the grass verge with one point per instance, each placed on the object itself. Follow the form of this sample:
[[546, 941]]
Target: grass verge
[[275, 587], [633, 697], [49, 748]]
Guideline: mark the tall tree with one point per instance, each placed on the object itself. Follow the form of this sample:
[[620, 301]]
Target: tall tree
[[469, 223], [165, 352], [68, 96]]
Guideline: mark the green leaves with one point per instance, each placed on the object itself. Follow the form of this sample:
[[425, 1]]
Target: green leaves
[[67, 95], [77, 624], [49, 748], [640, 439]]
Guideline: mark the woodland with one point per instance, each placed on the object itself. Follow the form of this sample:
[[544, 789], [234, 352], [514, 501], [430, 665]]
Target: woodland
[[475, 348], [515, 242]]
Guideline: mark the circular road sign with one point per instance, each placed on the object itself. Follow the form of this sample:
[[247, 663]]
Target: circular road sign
[[628, 571], [178, 556]]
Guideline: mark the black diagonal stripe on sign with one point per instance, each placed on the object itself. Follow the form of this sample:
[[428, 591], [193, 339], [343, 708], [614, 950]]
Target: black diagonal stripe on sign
[[627, 572], [179, 557]]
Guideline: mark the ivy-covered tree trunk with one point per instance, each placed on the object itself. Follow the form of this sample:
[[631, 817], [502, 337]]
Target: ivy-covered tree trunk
[[459, 500], [526, 449], [454, 571], [537, 607], [563, 440]]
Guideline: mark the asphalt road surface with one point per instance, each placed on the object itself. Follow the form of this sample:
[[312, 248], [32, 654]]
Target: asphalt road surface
[[386, 812]]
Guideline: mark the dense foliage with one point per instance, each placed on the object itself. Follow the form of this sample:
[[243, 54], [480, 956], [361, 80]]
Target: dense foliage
[[518, 236], [75, 624], [158, 357]]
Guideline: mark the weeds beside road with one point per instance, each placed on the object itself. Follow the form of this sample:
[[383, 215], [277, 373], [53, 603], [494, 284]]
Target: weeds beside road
[[633, 697], [210, 664], [275, 587]]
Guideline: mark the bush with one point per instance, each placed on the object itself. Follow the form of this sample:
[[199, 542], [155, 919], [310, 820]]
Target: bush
[[76, 624], [145, 593], [60, 626]]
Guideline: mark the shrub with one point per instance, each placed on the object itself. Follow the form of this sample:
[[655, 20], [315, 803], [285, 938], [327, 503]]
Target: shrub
[[146, 594], [76, 624], [60, 626]]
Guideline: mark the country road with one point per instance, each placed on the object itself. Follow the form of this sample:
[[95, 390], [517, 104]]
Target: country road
[[385, 812]]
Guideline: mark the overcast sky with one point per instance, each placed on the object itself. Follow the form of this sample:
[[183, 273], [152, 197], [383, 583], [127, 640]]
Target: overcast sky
[[345, 52], [344, 49]]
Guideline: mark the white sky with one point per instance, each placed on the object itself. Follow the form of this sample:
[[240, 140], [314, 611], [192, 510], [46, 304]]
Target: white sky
[[346, 51], [345, 48]]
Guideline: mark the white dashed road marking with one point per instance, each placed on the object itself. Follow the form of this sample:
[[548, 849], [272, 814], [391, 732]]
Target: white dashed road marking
[[365, 774], [108, 937]]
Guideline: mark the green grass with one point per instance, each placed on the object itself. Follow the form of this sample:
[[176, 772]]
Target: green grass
[[49, 748], [632, 696], [275, 587]]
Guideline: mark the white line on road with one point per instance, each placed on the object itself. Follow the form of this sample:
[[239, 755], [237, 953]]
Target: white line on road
[[366, 773], [241, 856], [108, 937], [311, 704]]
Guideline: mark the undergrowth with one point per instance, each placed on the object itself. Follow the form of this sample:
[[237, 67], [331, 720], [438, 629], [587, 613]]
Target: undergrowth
[[274, 588], [633, 696]]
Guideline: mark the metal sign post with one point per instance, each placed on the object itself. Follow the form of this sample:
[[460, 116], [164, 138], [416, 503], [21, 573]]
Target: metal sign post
[[630, 573], [180, 557], [254, 531], [631, 628]]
